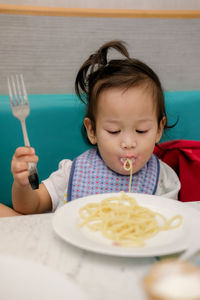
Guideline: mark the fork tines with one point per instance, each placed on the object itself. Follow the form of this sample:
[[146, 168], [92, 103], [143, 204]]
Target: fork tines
[[17, 90]]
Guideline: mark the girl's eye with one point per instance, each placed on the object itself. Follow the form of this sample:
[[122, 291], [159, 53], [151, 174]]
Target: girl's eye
[[141, 131], [113, 132]]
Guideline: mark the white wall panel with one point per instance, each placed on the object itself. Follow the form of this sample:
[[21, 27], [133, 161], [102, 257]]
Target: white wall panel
[[50, 50]]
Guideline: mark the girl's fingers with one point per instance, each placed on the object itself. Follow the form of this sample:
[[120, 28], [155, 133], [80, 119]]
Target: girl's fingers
[[22, 178], [19, 167], [21, 151], [24, 154], [26, 158], [19, 164]]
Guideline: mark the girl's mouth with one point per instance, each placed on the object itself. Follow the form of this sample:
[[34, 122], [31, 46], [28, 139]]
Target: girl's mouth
[[127, 160]]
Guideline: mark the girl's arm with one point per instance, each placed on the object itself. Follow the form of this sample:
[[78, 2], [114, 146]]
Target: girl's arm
[[28, 201]]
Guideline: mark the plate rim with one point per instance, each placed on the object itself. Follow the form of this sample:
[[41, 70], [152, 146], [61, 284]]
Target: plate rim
[[114, 251]]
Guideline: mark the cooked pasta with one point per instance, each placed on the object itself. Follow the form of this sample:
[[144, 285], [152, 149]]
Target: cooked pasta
[[123, 221]]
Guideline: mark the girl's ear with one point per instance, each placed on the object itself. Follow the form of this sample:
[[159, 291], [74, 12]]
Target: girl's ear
[[90, 131], [160, 129]]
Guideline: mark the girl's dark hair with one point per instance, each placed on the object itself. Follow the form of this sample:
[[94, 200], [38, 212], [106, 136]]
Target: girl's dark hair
[[99, 73]]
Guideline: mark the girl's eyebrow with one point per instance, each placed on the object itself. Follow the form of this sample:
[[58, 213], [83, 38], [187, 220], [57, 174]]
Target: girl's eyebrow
[[146, 120], [111, 120]]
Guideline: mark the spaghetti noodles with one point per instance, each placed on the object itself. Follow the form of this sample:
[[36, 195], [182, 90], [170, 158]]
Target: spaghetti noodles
[[123, 221]]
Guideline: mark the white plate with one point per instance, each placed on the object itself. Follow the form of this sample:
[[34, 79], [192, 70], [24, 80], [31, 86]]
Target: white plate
[[66, 220], [26, 280]]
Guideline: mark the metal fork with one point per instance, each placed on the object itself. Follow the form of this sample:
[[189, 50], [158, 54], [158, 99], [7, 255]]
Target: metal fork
[[20, 109]]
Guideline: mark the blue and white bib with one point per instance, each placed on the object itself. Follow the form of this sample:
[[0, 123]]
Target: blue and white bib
[[90, 176]]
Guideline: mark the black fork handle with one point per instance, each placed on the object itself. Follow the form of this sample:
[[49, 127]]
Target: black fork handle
[[34, 180]]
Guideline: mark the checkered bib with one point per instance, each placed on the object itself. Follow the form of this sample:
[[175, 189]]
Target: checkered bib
[[90, 176]]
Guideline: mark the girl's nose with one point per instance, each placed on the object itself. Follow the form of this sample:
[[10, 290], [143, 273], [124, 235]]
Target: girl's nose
[[128, 142]]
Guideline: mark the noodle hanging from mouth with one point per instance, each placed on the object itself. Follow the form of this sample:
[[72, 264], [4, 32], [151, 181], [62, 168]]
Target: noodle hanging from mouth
[[129, 168]]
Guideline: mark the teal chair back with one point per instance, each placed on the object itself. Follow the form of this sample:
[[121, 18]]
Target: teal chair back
[[54, 128]]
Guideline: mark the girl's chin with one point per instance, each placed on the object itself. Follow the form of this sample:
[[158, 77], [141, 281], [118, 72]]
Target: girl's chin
[[118, 168], [121, 171]]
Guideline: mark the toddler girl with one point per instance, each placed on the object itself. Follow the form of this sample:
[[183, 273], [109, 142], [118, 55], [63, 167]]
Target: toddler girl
[[125, 118]]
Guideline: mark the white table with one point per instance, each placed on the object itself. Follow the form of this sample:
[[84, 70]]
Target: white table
[[102, 277]]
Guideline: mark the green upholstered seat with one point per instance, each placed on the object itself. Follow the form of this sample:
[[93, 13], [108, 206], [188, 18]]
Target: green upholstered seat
[[54, 128]]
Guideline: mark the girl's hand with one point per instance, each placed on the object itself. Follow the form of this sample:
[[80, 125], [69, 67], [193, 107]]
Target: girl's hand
[[19, 164]]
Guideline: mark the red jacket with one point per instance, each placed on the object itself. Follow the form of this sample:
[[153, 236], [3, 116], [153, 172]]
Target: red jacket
[[184, 157]]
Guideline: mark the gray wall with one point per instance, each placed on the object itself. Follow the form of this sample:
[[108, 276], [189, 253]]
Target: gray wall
[[50, 50]]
